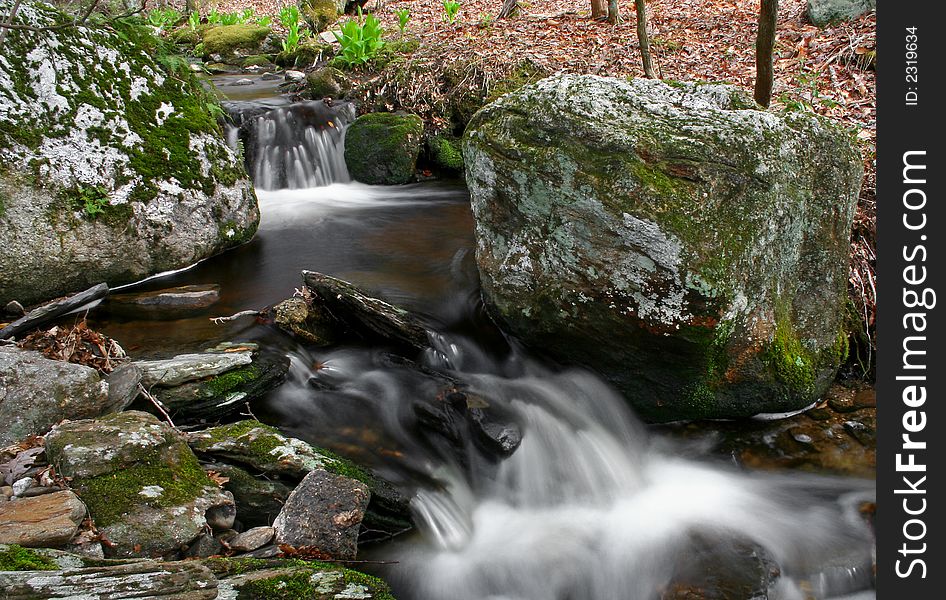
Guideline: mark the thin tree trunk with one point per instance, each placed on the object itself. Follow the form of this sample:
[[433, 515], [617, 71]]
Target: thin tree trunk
[[599, 8], [509, 8], [613, 16], [764, 47], [643, 39]]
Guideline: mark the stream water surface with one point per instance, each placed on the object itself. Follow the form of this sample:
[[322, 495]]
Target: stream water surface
[[590, 506]]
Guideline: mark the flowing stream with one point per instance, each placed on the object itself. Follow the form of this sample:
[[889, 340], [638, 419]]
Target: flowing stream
[[591, 505]]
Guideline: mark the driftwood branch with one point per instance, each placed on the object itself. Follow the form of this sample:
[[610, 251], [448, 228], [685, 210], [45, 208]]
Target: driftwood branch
[[157, 404], [235, 316]]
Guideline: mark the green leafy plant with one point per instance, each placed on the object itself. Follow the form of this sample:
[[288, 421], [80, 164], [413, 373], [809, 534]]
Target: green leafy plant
[[93, 199], [486, 21], [403, 16], [289, 17], [264, 20], [451, 10], [360, 39], [162, 17], [214, 17], [193, 20]]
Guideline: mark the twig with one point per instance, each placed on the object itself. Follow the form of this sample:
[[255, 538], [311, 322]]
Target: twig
[[249, 413], [234, 317], [157, 404]]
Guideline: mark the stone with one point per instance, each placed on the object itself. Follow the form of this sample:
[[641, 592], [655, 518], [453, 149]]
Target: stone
[[676, 239], [123, 385], [36, 393], [222, 516], [221, 394], [126, 175], [205, 545], [142, 484], [44, 521], [14, 308], [320, 14], [370, 317], [50, 311], [252, 539], [234, 40], [829, 12], [301, 318], [21, 485], [315, 582], [172, 303], [244, 81], [382, 148], [327, 82], [258, 500], [324, 512], [190, 367], [294, 76]]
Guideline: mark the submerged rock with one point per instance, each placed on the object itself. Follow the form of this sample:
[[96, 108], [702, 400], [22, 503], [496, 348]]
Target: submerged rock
[[688, 246], [36, 393], [125, 175], [382, 148], [171, 303], [143, 486], [324, 512]]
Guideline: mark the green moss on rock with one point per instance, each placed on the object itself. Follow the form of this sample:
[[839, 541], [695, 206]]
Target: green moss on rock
[[319, 14], [257, 60], [327, 82], [18, 558], [446, 153], [382, 148], [227, 39]]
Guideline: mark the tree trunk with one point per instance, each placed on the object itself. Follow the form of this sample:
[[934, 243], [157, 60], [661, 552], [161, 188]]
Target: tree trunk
[[509, 8], [764, 46], [599, 8], [192, 6], [643, 39], [613, 16]]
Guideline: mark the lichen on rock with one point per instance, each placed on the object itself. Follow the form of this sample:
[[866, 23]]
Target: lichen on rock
[[687, 245], [114, 164]]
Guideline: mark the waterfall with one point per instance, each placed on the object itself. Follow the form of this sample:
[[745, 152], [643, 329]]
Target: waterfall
[[300, 145], [590, 506]]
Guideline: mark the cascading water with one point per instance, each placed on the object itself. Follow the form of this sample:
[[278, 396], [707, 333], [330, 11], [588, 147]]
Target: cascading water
[[589, 506], [300, 145]]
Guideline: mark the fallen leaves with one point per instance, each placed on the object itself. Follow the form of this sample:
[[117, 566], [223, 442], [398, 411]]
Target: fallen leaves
[[77, 344]]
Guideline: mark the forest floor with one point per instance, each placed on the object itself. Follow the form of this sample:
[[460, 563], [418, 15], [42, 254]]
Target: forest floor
[[829, 71]]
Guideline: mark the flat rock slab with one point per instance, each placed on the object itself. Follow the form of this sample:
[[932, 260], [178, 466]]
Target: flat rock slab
[[190, 367], [324, 512], [827, 12], [178, 581], [171, 303], [47, 520], [36, 393], [252, 539]]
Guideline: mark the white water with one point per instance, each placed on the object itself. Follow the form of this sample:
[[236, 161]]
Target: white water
[[590, 506]]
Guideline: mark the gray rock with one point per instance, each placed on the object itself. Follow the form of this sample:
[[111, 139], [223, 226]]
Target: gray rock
[[243, 81], [52, 310], [142, 484], [123, 386], [125, 176], [172, 303], [190, 367], [324, 512], [36, 393], [258, 500], [829, 12], [222, 516], [294, 76], [21, 485], [205, 545], [50, 520], [14, 308], [686, 245], [252, 539]]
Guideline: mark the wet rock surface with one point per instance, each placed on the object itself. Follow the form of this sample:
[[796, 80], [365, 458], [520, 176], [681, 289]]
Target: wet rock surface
[[51, 519], [171, 303]]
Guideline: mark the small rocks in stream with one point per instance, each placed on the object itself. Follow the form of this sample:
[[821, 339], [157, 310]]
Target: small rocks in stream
[[241, 82], [270, 77], [170, 303], [324, 513], [252, 539], [294, 76]]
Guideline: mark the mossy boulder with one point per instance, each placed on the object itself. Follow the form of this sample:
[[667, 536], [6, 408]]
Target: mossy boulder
[[382, 148], [319, 14], [828, 12], [692, 250], [305, 55], [294, 579], [445, 153], [234, 40], [327, 82], [142, 484], [113, 164]]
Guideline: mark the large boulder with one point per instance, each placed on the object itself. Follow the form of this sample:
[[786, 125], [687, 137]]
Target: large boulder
[[679, 240], [36, 393], [143, 485], [382, 148], [113, 164], [827, 12]]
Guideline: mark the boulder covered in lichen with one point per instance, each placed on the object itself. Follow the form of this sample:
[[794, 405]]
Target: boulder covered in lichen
[[112, 164], [686, 244], [382, 148], [143, 486]]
